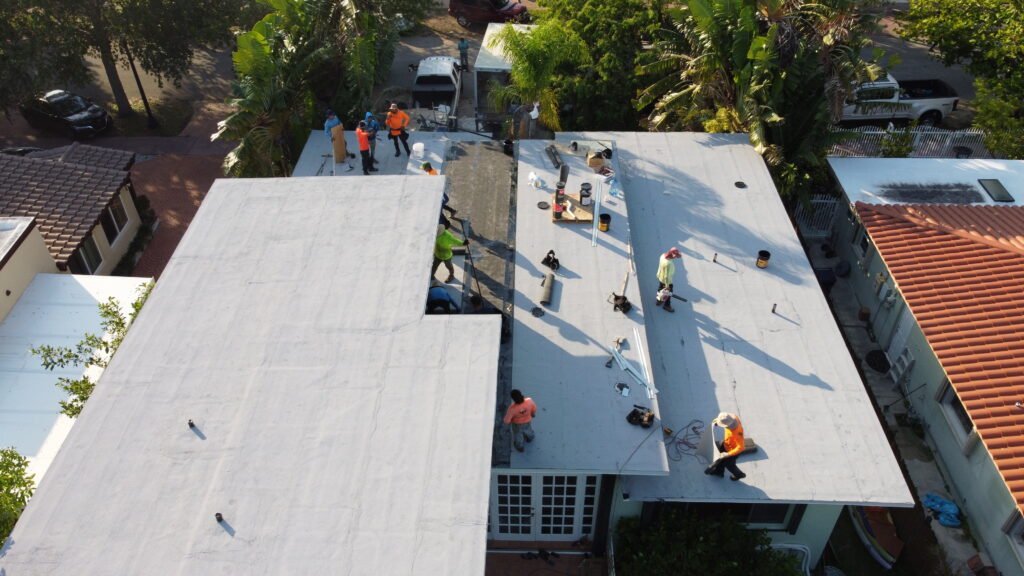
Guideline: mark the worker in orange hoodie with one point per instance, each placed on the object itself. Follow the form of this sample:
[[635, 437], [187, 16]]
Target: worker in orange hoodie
[[363, 136], [730, 447], [396, 122], [520, 415]]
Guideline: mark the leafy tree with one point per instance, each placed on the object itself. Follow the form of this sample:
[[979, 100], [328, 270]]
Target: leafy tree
[[614, 32], [92, 350], [535, 56], [37, 50], [16, 487], [1000, 105], [679, 544], [987, 37], [303, 53], [50, 38]]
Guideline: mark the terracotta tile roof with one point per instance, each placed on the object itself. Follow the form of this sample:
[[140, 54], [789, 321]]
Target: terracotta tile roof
[[95, 156], [961, 271], [65, 199]]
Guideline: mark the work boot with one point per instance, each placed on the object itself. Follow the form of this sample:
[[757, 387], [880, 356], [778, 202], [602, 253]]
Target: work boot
[[735, 477], [668, 307], [374, 170], [397, 153], [528, 438], [658, 302]]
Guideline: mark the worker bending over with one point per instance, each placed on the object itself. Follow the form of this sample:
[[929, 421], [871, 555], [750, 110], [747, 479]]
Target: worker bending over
[[731, 447]]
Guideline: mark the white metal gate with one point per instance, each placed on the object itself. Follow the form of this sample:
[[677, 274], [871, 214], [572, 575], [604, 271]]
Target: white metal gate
[[542, 506]]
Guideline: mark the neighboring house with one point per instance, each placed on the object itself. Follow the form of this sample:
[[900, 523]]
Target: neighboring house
[[82, 199], [937, 253], [39, 306]]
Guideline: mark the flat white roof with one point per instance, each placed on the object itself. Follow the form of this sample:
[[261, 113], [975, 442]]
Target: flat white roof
[[786, 373], [55, 310], [317, 157], [492, 59], [337, 427], [558, 359], [926, 180]]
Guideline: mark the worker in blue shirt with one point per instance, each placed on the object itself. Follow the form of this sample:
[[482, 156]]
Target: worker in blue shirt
[[439, 301], [330, 123]]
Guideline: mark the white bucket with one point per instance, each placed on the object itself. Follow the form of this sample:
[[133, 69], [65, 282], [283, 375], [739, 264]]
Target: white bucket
[[417, 150]]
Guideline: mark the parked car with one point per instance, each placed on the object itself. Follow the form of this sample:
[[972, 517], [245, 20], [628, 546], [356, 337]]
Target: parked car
[[19, 150], [66, 113], [469, 12], [927, 101], [438, 85]]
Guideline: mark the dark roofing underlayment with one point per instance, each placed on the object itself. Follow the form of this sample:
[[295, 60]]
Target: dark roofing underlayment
[[939, 193]]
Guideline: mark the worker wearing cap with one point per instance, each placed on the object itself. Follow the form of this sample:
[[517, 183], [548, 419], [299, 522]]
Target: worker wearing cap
[[731, 447], [396, 121], [666, 270], [443, 251], [520, 415], [363, 137]]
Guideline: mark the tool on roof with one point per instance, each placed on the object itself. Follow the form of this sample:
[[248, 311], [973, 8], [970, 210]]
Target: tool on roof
[[619, 301], [549, 286], [616, 345], [627, 366], [551, 261], [469, 254], [640, 415]]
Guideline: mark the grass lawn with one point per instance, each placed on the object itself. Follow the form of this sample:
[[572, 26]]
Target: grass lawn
[[173, 115]]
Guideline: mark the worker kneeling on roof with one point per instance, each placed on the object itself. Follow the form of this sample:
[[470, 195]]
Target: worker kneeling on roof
[[731, 447]]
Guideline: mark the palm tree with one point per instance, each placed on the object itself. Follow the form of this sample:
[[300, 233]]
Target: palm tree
[[535, 57], [777, 69]]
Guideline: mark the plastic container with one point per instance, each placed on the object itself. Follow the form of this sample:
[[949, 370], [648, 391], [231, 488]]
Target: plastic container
[[417, 150]]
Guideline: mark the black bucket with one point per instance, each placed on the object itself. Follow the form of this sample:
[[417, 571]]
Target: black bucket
[[762, 258], [604, 222]]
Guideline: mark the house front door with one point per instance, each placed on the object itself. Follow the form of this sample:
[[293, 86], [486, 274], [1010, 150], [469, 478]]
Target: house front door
[[549, 507]]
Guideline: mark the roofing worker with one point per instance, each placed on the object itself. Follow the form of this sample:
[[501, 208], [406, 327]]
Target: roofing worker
[[363, 136], [520, 415], [443, 251], [731, 447], [396, 121], [373, 127], [439, 301], [666, 270]]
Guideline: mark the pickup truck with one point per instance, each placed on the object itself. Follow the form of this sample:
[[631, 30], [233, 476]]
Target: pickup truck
[[927, 101], [438, 84]]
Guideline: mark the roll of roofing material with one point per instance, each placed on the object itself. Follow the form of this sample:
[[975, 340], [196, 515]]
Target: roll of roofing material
[[549, 286]]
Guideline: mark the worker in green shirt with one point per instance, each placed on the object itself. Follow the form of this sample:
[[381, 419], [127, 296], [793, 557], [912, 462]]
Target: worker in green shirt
[[443, 251]]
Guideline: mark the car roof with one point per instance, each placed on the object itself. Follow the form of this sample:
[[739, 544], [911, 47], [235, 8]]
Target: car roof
[[55, 95]]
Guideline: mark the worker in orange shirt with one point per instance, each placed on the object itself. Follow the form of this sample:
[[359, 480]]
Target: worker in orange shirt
[[730, 447], [363, 136], [396, 122], [520, 415]]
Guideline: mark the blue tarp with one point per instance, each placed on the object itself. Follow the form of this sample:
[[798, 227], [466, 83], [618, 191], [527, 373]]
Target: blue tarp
[[948, 512]]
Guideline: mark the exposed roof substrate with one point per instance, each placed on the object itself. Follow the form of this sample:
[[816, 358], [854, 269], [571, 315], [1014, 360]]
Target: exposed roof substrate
[[959, 268]]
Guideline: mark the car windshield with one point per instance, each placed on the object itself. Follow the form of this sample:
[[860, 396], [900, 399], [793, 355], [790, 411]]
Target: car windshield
[[69, 105]]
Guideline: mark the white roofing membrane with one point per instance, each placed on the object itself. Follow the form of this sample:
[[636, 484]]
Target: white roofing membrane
[[55, 310], [338, 429], [787, 373], [492, 58], [558, 359], [863, 178]]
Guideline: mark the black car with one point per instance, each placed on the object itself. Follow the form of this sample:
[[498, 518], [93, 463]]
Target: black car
[[66, 113]]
